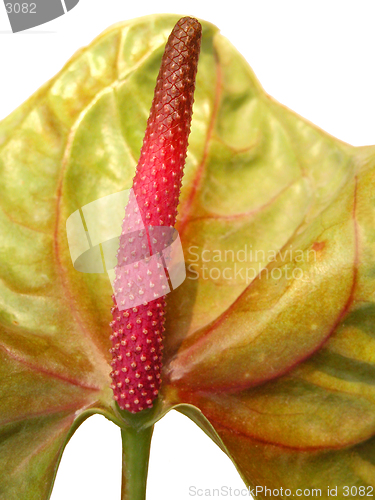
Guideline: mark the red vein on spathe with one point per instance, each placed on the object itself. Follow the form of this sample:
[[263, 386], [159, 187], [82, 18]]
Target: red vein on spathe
[[43, 371], [308, 449], [240, 215], [66, 409], [187, 206], [63, 429]]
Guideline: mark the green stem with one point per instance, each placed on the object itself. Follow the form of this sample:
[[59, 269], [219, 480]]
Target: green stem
[[135, 456]]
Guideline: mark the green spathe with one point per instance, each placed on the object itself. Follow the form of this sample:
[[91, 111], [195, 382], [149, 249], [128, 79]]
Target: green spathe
[[282, 365]]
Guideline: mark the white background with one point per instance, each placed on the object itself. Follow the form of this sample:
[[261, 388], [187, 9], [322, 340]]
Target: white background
[[316, 57]]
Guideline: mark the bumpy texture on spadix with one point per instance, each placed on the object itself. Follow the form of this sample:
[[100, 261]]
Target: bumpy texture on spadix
[[137, 338]]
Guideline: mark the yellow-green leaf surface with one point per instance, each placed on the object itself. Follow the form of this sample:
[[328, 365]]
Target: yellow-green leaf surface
[[270, 341]]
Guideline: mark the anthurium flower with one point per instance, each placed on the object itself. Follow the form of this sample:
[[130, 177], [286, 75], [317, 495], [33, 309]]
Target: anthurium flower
[[269, 342]]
